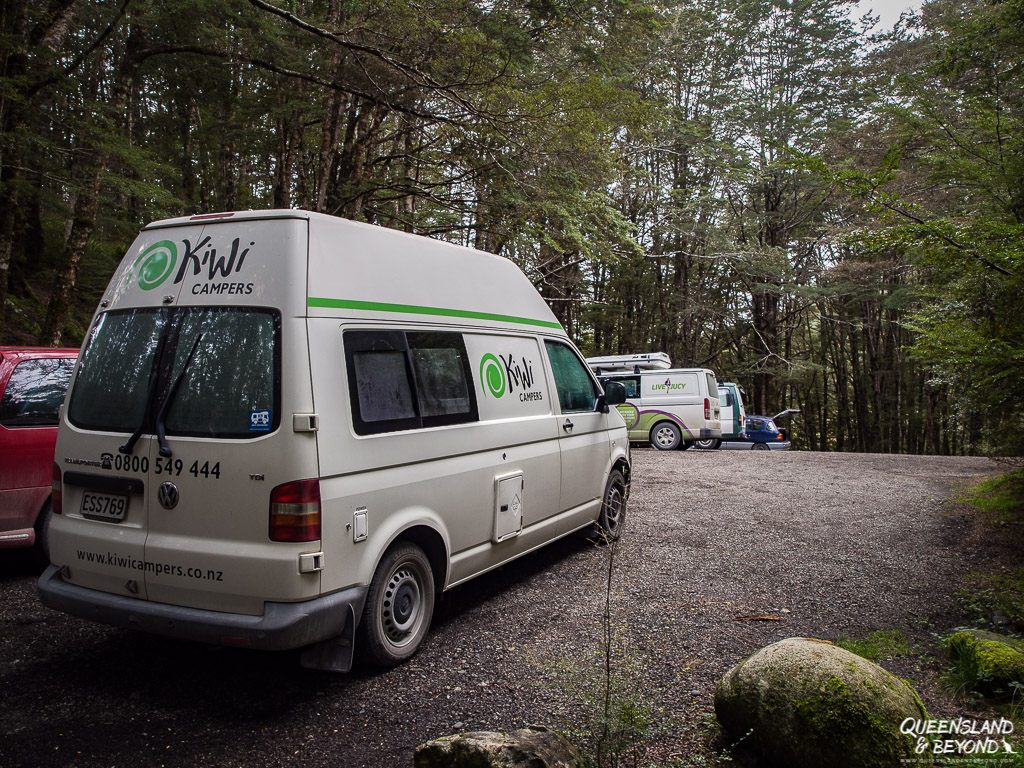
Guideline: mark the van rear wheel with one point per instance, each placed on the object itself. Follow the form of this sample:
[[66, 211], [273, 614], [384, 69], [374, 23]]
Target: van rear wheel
[[666, 436], [708, 444], [399, 607], [613, 507]]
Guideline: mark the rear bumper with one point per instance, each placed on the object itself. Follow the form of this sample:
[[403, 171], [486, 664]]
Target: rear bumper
[[283, 626], [710, 434]]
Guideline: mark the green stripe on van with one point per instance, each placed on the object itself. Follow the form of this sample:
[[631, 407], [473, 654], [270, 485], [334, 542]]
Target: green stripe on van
[[411, 309]]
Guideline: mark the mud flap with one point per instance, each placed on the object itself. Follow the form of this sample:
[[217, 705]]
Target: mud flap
[[334, 654]]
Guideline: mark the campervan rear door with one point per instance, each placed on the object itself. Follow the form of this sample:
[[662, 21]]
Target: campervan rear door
[[239, 377], [201, 337]]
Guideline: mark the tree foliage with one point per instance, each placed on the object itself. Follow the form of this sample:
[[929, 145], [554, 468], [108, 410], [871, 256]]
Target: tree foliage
[[834, 221]]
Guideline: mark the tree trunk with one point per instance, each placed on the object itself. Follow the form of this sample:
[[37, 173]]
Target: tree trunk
[[83, 222], [87, 202]]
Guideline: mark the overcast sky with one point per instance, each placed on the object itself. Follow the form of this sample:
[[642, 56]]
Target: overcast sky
[[888, 10]]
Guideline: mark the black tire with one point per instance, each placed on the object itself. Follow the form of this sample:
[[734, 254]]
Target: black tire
[[760, 447], [708, 445], [686, 445], [42, 527], [613, 507], [399, 607], [666, 436]]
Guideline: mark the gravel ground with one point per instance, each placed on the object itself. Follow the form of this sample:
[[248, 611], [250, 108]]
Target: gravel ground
[[830, 545]]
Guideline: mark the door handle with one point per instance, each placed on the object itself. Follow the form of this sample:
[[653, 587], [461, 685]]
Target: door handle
[[568, 426]]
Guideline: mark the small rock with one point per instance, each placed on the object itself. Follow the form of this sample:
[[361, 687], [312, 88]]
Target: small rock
[[531, 747], [1000, 619], [997, 659]]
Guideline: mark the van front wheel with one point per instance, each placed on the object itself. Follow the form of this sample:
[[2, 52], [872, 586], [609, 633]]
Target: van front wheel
[[613, 508], [666, 436], [399, 606]]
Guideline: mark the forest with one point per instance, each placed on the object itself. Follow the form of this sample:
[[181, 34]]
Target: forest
[[827, 213]]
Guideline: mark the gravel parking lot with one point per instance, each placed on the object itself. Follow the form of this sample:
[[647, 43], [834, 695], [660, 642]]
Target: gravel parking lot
[[724, 552]]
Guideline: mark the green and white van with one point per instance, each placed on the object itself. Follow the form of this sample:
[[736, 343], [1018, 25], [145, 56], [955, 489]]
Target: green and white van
[[671, 408], [288, 430], [734, 415]]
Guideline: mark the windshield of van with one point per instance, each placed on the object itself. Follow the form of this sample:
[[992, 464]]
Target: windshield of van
[[224, 361]]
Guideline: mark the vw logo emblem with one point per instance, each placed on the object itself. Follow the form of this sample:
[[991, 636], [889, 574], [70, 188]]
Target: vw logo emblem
[[168, 495]]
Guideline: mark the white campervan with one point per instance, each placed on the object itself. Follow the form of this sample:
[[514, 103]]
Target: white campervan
[[669, 407], [288, 430]]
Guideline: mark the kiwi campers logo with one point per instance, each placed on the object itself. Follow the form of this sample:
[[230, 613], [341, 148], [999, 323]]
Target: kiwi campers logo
[[492, 376], [155, 264], [158, 261], [502, 376]]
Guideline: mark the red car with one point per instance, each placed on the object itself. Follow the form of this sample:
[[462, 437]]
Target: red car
[[32, 387]]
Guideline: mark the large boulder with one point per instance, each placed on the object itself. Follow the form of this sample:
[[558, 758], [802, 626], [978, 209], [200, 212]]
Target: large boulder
[[990, 663], [808, 703], [532, 747]]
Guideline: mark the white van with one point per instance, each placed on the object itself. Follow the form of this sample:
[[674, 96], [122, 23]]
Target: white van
[[671, 408], [288, 430], [733, 415]]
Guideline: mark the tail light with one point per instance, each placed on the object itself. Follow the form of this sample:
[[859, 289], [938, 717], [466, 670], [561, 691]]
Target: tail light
[[707, 409], [295, 511], [56, 494]]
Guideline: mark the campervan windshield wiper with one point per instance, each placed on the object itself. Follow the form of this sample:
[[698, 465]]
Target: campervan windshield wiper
[[151, 388], [161, 417]]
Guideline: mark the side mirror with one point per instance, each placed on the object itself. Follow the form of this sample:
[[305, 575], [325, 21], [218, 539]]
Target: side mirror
[[614, 393]]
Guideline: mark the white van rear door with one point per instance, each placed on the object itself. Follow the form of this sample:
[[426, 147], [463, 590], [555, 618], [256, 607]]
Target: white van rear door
[[238, 370]]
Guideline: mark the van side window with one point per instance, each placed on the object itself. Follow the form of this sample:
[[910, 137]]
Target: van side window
[[383, 386], [408, 380], [576, 388], [439, 368]]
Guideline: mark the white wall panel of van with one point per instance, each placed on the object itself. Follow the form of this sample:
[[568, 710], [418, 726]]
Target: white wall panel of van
[[675, 386], [442, 477]]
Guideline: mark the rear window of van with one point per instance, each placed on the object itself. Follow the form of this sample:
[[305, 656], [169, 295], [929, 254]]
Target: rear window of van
[[206, 372], [712, 384]]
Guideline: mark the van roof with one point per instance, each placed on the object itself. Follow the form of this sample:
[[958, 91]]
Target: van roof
[[655, 372], [201, 218], [349, 270]]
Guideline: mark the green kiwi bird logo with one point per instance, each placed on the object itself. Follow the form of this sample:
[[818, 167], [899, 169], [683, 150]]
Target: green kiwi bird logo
[[155, 264], [492, 376]]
